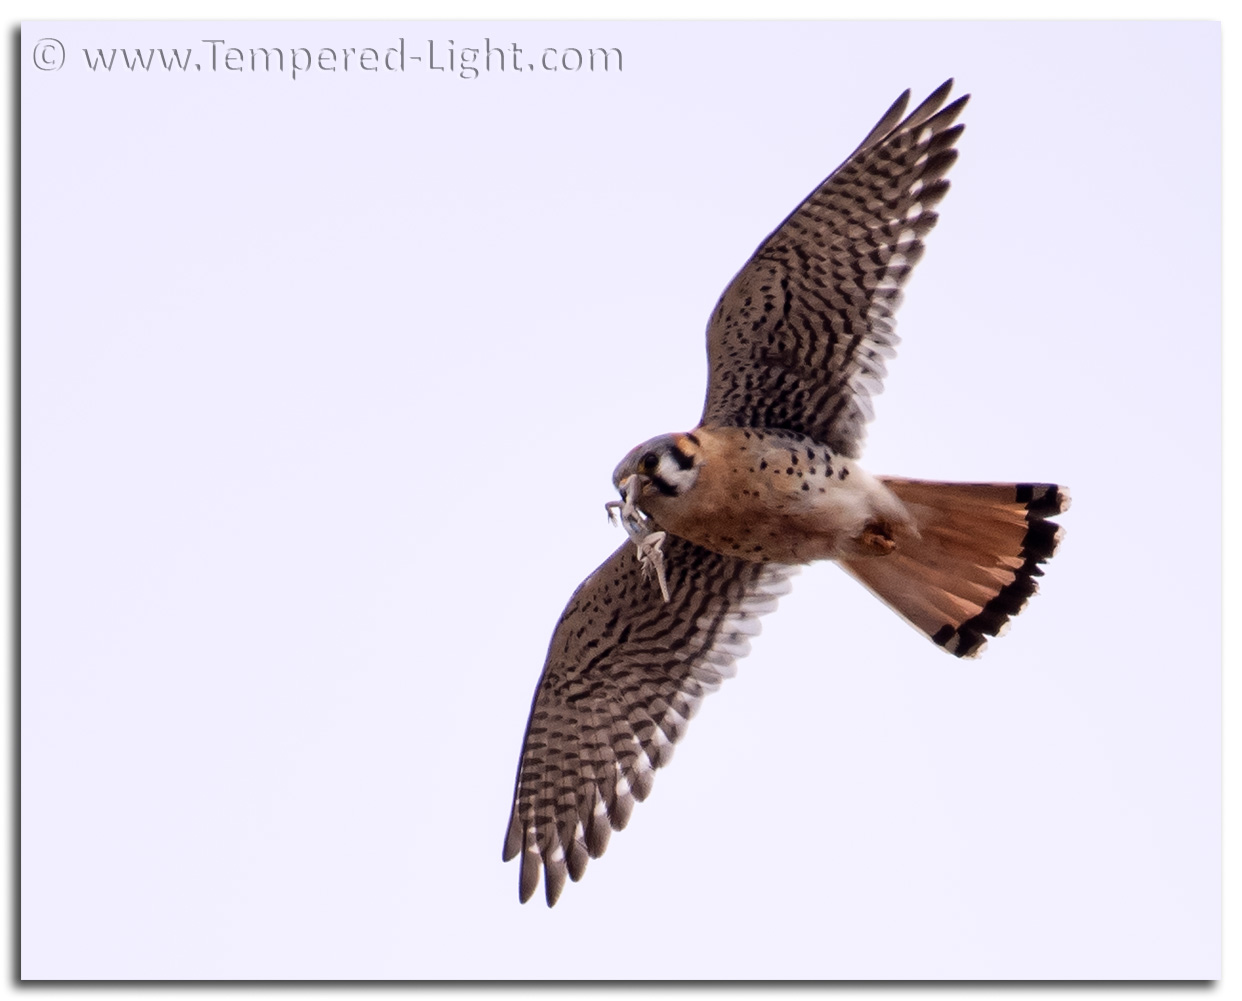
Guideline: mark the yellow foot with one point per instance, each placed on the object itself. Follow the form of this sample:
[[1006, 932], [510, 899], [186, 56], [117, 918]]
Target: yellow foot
[[878, 538]]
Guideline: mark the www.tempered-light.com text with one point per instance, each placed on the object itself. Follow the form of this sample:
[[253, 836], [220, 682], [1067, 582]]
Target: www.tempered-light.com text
[[466, 62]]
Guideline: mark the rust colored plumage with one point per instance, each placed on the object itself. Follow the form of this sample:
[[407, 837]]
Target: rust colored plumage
[[974, 561]]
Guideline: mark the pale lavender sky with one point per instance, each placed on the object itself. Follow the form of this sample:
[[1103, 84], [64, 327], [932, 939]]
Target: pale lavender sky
[[323, 380]]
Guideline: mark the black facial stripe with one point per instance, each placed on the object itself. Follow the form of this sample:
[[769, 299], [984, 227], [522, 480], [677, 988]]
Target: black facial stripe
[[682, 460], [666, 488]]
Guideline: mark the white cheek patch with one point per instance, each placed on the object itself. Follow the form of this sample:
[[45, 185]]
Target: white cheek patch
[[670, 471]]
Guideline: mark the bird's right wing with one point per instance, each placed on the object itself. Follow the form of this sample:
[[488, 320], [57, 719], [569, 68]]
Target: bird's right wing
[[624, 673]]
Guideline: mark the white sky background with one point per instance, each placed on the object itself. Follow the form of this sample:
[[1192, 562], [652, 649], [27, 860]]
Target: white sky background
[[323, 382]]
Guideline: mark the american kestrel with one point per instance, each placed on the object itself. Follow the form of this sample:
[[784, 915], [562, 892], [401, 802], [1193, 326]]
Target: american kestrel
[[722, 515]]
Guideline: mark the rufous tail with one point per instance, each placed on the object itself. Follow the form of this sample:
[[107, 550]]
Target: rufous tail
[[974, 562]]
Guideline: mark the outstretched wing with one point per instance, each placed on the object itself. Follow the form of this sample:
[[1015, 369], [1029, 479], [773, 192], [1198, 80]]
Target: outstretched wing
[[625, 671], [798, 339]]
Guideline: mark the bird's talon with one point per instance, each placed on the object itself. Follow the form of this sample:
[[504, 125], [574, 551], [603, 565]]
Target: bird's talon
[[877, 537]]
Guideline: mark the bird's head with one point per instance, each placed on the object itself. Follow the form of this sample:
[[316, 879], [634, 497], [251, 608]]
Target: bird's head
[[666, 466]]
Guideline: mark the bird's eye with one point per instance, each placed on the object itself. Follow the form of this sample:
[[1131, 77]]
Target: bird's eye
[[649, 462]]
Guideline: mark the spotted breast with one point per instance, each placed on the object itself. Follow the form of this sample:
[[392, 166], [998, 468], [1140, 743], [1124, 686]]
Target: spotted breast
[[766, 496]]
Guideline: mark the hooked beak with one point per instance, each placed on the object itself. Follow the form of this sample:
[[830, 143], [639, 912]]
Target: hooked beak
[[630, 487]]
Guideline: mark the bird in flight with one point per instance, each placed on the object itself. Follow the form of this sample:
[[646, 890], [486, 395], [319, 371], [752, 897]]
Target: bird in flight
[[720, 517]]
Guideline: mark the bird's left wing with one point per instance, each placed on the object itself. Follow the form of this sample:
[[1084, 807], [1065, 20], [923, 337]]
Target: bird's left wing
[[624, 673], [798, 339]]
